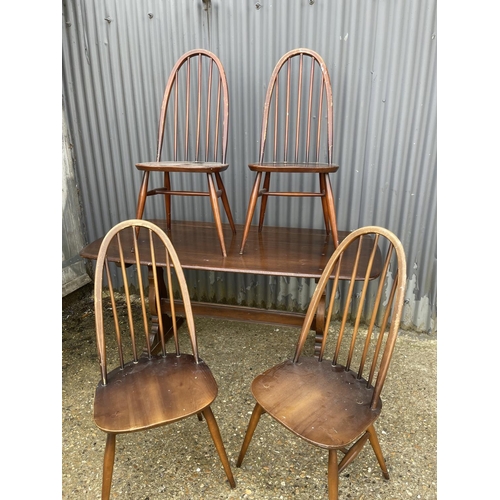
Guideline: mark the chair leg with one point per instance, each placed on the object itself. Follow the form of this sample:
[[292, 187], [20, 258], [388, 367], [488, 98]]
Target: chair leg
[[109, 460], [254, 420], [214, 200], [168, 200], [353, 452], [263, 201], [141, 202], [331, 206], [378, 451], [326, 215], [333, 475], [219, 445], [251, 209], [225, 201]]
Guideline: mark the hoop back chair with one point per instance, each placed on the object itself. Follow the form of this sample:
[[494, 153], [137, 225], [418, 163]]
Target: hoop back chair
[[194, 121], [296, 135], [334, 404], [140, 391]]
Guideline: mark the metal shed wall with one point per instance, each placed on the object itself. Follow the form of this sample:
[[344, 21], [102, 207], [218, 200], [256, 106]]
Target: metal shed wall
[[381, 55], [74, 270]]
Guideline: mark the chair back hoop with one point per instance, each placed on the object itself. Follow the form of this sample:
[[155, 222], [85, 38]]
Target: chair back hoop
[[298, 109], [221, 117], [117, 239], [386, 308]]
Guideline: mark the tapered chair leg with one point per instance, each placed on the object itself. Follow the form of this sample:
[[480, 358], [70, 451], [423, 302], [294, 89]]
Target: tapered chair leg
[[168, 200], [353, 452], [326, 213], [219, 445], [109, 460], [141, 202], [263, 201], [225, 201], [331, 207], [254, 420], [214, 200], [251, 209], [333, 475], [378, 451]]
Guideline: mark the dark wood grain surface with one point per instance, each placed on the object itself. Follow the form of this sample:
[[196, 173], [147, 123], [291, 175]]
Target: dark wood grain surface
[[277, 251], [295, 167]]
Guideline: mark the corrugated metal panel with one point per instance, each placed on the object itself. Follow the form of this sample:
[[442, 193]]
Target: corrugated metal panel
[[74, 268], [381, 56]]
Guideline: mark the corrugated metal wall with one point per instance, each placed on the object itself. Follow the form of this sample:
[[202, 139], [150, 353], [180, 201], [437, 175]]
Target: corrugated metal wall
[[74, 268], [381, 55]]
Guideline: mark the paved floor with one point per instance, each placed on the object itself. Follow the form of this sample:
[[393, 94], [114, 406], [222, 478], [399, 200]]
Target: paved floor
[[179, 461]]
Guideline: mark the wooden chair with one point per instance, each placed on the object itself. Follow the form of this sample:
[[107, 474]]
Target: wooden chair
[[298, 121], [334, 404], [195, 115], [142, 391]]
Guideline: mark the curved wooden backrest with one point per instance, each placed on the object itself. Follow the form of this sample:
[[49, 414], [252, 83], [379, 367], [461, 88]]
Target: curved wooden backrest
[[364, 306], [198, 117], [298, 100], [131, 309]]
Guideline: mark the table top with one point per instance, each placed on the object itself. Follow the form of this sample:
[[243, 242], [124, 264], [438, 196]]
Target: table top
[[276, 251]]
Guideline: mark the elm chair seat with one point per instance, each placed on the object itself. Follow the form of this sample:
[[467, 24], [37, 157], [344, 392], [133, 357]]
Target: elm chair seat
[[158, 385], [305, 397]]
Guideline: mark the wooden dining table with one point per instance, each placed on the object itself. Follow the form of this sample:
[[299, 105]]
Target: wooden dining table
[[274, 251]]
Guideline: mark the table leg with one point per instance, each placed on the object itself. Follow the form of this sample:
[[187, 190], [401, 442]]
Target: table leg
[[318, 322]]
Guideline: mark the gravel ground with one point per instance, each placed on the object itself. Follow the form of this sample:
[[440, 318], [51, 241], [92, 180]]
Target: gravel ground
[[179, 461]]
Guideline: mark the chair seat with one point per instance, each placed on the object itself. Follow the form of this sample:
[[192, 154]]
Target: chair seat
[[182, 166], [152, 392], [321, 168], [323, 404]]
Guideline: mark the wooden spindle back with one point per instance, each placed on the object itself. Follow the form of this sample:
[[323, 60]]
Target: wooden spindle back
[[297, 123], [194, 115], [123, 317], [367, 312]]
